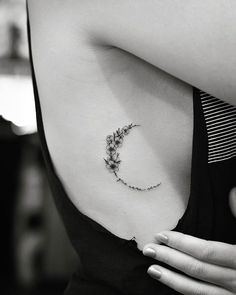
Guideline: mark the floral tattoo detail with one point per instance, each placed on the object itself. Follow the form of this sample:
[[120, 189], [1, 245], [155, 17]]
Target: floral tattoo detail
[[113, 161]]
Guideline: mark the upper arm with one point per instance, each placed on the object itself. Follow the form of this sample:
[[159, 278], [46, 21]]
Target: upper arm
[[191, 40]]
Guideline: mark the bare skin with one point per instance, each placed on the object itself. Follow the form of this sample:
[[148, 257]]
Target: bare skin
[[208, 267], [84, 101], [98, 68]]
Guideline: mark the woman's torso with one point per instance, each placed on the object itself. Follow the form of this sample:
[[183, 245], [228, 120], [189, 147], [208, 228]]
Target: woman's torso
[[77, 84], [87, 92]]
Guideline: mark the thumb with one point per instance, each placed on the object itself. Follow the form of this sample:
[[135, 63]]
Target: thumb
[[232, 201]]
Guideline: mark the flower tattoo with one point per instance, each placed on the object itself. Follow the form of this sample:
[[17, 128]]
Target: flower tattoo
[[113, 161]]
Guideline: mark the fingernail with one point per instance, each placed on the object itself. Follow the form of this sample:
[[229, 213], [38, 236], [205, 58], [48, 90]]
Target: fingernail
[[149, 252], [162, 238], [154, 272], [234, 191]]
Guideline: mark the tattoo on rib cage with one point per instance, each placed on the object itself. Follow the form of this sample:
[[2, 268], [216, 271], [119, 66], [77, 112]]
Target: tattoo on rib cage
[[113, 161]]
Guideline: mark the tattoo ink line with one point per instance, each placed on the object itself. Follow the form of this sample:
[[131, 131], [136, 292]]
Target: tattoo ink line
[[113, 161]]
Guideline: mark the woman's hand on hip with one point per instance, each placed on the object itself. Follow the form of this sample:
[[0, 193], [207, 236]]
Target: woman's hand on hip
[[208, 267]]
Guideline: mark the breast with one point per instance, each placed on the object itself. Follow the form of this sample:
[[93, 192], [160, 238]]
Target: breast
[[85, 98]]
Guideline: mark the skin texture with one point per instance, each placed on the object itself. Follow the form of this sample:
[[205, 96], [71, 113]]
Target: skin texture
[[123, 52], [210, 267], [191, 40], [86, 92]]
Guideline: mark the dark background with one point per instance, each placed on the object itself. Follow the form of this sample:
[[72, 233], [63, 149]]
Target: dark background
[[35, 254]]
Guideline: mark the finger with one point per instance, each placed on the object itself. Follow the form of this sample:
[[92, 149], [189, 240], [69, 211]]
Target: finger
[[193, 267], [208, 251], [183, 284], [232, 201]]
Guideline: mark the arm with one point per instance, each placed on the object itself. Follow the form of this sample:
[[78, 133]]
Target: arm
[[191, 40]]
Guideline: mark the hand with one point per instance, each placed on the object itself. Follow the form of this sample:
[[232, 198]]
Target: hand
[[232, 201], [210, 267]]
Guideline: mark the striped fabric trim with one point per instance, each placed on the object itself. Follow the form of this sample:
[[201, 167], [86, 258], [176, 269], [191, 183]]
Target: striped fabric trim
[[220, 118]]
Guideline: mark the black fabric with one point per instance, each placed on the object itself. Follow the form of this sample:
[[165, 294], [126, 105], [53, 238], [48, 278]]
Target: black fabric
[[111, 265]]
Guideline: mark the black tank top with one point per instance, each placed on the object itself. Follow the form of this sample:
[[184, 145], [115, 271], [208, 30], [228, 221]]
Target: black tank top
[[112, 265]]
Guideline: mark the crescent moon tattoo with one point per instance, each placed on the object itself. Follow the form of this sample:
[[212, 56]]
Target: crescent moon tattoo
[[113, 161]]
